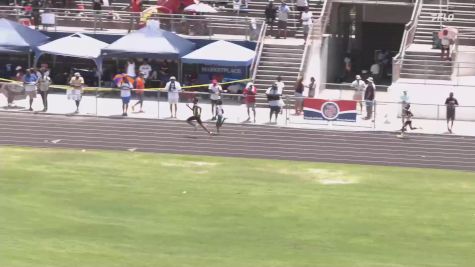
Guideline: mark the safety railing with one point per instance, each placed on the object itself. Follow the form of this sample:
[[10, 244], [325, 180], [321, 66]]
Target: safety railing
[[316, 30], [407, 39], [259, 47], [124, 21], [291, 111]]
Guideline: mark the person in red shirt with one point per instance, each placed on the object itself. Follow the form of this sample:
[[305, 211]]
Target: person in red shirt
[[139, 86], [250, 99], [136, 5]]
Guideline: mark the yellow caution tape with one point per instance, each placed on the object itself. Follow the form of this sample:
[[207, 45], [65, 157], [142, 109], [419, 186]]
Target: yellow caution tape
[[102, 89]]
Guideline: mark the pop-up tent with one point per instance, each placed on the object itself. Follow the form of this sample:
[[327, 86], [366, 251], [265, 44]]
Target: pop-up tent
[[149, 42], [76, 45], [15, 37], [221, 53]]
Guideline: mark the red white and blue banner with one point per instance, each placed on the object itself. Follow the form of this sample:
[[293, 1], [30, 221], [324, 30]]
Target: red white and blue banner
[[337, 110]]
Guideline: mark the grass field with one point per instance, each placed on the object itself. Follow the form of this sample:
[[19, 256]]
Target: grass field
[[107, 209]]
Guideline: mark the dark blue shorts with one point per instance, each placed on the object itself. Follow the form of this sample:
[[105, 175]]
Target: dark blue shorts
[[126, 100]]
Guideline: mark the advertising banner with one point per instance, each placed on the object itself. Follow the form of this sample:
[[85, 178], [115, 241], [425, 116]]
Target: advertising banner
[[330, 110]]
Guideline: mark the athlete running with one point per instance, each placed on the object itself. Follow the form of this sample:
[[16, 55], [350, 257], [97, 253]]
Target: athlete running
[[196, 116]]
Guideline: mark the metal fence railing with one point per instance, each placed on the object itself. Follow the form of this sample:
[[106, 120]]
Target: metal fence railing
[[124, 21], [107, 102]]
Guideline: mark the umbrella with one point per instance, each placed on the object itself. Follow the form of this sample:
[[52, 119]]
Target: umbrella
[[118, 78], [147, 13], [451, 32], [200, 8]]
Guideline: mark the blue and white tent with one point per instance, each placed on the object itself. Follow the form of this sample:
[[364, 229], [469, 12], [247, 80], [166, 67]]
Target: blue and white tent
[[221, 53], [17, 38], [150, 42]]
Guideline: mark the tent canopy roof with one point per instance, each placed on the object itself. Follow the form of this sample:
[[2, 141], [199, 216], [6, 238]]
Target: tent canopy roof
[[150, 42], [75, 45], [18, 37], [221, 53]]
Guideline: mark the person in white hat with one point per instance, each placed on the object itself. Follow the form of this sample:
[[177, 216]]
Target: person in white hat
[[359, 87], [77, 83], [173, 88]]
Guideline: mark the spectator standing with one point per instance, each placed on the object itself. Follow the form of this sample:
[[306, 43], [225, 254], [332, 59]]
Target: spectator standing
[[347, 67], [306, 18], [30, 83], [174, 89], [35, 12], [136, 5], [375, 70], [236, 6], [139, 86], [445, 45], [301, 6], [215, 91], [283, 16], [312, 87], [359, 87], [125, 93], [451, 103], [130, 68], [43, 87], [271, 13], [97, 7], [299, 87], [369, 98], [274, 98], [77, 83], [250, 99]]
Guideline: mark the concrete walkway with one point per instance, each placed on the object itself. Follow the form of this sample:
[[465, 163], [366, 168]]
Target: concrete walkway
[[235, 112]]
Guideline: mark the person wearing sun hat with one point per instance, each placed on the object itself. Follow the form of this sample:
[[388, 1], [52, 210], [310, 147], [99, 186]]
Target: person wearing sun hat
[[359, 87], [173, 88], [215, 91], [77, 83]]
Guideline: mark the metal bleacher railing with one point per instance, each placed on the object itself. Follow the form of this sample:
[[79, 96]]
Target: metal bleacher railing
[[407, 39], [125, 21]]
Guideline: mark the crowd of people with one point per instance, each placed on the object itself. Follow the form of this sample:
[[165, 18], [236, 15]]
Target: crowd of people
[[281, 14]]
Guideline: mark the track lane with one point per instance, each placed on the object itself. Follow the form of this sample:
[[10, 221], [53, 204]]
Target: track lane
[[379, 148]]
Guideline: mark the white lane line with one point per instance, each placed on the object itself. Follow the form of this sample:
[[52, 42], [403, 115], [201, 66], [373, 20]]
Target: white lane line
[[384, 150], [230, 153], [274, 150], [266, 129], [314, 137]]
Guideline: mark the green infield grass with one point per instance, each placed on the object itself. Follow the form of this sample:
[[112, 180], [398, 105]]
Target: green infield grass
[[109, 209]]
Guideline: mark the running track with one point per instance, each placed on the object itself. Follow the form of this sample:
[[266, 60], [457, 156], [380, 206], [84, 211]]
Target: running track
[[145, 135]]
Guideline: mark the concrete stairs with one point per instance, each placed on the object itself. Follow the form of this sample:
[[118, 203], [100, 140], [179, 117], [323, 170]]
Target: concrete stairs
[[278, 60], [463, 17], [425, 65]]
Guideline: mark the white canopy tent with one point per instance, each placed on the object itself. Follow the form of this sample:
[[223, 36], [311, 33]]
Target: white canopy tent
[[76, 45]]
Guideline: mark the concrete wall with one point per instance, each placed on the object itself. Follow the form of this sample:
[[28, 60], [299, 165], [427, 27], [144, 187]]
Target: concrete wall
[[465, 64], [387, 14]]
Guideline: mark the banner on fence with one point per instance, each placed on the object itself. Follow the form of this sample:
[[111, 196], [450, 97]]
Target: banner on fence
[[337, 110]]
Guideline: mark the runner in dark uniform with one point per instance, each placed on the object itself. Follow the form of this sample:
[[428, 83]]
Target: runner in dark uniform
[[407, 116], [196, 116], [451, 103]]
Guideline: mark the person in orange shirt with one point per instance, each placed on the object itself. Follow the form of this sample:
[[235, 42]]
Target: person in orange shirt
[[139, 86]]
